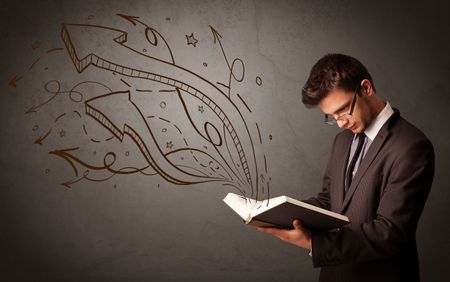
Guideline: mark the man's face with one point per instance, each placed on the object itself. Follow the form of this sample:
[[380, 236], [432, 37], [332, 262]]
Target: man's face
[[338, 103]]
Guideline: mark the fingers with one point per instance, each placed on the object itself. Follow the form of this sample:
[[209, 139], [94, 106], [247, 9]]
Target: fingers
[[282, 234], [299, 236], [273, 231]]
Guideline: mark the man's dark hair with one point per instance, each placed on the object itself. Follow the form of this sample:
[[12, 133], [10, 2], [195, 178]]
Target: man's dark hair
[[331, 72]]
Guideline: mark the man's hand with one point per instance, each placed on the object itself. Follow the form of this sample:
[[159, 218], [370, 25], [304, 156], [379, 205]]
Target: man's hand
[[300, 236]]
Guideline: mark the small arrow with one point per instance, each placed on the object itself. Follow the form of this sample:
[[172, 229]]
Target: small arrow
[[14, 80], [33, 109], [216, 35], [68, 183], [217, 38], [42, 138], [132, 19]]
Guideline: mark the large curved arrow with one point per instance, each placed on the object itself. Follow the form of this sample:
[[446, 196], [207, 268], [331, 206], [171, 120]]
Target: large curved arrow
[[105, 48]]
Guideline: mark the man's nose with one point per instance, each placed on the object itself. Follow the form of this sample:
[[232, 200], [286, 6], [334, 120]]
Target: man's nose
[[341, 123]]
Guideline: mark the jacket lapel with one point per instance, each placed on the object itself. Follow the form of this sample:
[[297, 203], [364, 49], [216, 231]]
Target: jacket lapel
[[376, 146], [342, 165]]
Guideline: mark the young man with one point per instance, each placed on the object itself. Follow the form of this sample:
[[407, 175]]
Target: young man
[[379, 174]]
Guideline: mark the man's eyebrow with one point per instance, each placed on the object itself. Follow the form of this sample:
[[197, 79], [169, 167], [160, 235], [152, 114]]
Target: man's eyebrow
[[341, 108]]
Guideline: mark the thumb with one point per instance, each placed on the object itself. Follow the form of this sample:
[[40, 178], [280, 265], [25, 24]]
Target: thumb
[[297, 224]]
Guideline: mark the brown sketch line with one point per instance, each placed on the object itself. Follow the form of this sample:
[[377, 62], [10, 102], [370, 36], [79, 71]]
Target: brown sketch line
[[226, 124], [228, 183], [107, 65], [245, 104], [78, 113], [72, 90], [72, 160], [217, 36], [68, 183], [94, 140], [126, 83], [54, 49], [207, 133], [265, 163], [69, 157], [178, 130], [199, 171], [183, 179], [64, 154], [224, 85], [144, 90], [235, 171], [134, 20], [166, 90], [192, 153], [99, 180], [259, 134], [168, 177], [42, 138], [55, 93], [14, 80], [242, 192], [60, 116], [32, 65], [163, 119]]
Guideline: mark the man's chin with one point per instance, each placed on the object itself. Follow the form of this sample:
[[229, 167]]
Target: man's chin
[[354, 128]]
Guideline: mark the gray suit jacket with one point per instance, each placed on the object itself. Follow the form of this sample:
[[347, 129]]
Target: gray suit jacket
[[383, 203]]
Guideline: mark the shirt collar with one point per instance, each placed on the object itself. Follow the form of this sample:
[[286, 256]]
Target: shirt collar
[[379, 121]]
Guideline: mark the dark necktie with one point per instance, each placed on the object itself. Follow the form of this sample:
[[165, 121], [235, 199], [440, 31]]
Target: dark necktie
[[349, 174]]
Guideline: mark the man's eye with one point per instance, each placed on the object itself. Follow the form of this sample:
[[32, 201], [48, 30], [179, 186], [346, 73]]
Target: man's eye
[[341, 112]]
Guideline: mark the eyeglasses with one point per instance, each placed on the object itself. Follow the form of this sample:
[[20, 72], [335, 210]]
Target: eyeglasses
[[330, 120]]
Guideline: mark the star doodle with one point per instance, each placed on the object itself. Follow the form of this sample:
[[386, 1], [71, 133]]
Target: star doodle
[[62, 133], [169, 145], [200, 109], [191, 40]]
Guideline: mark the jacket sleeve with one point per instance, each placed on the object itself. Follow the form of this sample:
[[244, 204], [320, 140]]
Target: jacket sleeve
[[401, 203]]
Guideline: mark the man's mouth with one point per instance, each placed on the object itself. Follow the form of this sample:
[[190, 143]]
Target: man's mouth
[[353, 127]]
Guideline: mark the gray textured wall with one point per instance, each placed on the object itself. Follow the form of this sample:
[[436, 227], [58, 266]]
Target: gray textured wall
[[136, 227]]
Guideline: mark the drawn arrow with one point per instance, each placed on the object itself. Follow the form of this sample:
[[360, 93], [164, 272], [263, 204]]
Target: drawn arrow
[[153, 37], [84, 48], [14, 80], [131, 19], [34, 109], [217, 36], [68, 183], [42, 138]]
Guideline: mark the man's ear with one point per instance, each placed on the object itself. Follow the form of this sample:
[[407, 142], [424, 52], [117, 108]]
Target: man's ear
[[366, 87]]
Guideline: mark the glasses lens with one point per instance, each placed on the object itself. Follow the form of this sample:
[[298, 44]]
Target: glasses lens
[[329, 120]]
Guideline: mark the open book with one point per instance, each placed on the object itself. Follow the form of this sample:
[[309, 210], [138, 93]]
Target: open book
[[282, 211]]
